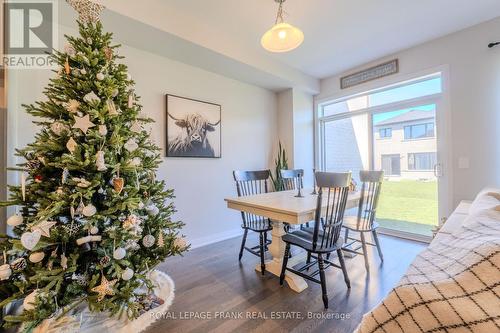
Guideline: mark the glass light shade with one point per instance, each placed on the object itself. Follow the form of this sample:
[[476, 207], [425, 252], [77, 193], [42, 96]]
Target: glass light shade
[[283, 37]]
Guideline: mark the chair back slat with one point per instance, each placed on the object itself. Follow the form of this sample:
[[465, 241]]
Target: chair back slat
[[370, 193], [333, 193], [251, 183], [292, 179]]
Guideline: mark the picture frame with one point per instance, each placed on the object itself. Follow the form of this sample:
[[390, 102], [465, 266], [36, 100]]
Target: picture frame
[[193, 127]]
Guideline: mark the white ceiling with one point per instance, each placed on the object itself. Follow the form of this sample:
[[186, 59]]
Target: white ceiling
[[339, 34]]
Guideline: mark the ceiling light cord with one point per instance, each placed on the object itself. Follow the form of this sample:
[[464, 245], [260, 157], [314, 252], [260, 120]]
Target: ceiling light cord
[[279, 16]]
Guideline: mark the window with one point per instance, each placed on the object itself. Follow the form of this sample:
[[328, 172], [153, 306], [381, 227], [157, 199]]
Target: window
[[419, 131], [385, 133], [421, 161]]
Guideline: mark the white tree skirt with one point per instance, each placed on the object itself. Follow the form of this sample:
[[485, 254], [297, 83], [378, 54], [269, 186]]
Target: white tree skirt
[[82, 320]]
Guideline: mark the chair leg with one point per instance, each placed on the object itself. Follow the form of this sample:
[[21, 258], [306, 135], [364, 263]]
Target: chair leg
[[308, 258], [285, 262], [377, 242], [323, 280], [265, 241], [346, 236], [243, 241], [344, 269], [262, 253], [365, 250]]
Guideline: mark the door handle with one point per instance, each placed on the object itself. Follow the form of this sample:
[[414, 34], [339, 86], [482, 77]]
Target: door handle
[[437, 170]]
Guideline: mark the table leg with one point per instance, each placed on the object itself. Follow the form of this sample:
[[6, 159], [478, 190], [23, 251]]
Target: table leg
[[277, 250]]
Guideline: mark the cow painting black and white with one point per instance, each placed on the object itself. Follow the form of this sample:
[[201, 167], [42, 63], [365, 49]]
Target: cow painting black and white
[[192, 139]]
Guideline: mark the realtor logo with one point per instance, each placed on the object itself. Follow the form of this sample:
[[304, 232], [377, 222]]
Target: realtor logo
[[30, 33]]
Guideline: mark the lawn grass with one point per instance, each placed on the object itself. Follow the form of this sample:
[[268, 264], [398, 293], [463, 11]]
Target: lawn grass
[[408, 205]]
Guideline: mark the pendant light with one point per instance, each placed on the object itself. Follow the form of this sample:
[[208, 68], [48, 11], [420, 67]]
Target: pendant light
[[282, 37]]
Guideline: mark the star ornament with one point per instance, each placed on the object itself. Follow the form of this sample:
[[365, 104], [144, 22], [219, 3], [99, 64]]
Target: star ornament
[[88, 11], [105, 288], [83, 123], [44, 227]]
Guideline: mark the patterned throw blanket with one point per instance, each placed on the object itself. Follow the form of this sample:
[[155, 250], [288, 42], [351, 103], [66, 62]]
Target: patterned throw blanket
[[452, 286]]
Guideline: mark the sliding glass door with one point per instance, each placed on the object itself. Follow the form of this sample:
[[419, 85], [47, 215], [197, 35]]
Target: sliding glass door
[[395, 130]]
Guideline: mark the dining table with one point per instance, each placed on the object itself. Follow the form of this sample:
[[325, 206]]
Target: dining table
[[284, 207]]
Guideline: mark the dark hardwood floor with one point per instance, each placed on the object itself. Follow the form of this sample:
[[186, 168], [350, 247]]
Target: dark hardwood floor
[[211, 282]]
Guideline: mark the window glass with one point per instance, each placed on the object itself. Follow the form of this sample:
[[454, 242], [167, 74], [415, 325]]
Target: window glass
[[421, 161]]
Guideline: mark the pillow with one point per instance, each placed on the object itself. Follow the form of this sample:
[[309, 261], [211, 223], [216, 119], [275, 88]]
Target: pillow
[[486, 199], [494, 195]]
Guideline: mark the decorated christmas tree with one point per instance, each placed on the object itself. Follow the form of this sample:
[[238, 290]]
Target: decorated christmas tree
[[92, 221]]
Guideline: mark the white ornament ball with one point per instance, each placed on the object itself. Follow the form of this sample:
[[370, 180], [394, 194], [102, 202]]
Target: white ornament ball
[[115, 92], [5, 272], [119, 253], [131, 145], [148, 241], [180, 242], [83, 71], [152, 210], [29, 301], [89, 210], [100, 76], [36, 257], [127, 274], [94, 230], [58, 128], [15, 220], [103, 130], [129, 77]]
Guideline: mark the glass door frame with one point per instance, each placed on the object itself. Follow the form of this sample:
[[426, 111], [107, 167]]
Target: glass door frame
[[443, 159]]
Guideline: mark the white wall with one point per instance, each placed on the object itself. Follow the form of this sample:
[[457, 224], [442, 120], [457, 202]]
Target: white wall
[[248, 134], [474, 96]]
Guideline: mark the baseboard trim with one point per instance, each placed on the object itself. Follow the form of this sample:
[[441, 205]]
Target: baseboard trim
[[215, 238], [405, 235]]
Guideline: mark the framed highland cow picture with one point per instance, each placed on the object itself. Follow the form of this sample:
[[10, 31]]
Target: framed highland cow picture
[[193, 128]]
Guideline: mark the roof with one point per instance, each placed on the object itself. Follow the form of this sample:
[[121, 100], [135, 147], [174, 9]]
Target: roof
[[408, 116]]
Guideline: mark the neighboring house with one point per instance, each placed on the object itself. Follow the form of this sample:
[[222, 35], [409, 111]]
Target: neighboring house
[[405, 145]]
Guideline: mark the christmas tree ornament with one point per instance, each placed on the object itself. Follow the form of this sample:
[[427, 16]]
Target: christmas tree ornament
[[5, 271], [60, 190], [64, 176], [131, 145], [36, 257], [44, 228], [71, 145], [79, 209], [108, 52], [111, 107], [119, 253], [94, 230], [127, 274], [92, 98], [135, 162], [30, 239], [100, 76], [81, 279], [152, 210], [72, 229], [29, 301], [148, 241], [64, 262], [88, 239], [83, 71], [83, 123], [161, 241], [33, 165], [100, 163], [38, 179], [180, 243], [23, 186], [89, 210], [104, 261], [69, 50], [72, 106], [19, 264], [136, 127], [80, 182], [88, 11], [105, 288], [67, 68], [103, 130], [118, 184], [15, 220], [58, 128], [130, 103]]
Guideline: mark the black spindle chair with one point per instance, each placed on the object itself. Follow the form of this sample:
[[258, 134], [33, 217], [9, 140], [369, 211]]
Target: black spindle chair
[[251, 183], [292, 179], [325, 238], [364, 222]]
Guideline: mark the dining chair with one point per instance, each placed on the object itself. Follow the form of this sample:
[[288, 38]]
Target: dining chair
[[364, 222], [292, 179], [251, 183], [326, 236]]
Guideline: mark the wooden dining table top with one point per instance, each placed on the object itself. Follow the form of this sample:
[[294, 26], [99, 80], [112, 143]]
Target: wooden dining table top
[[284, 206]]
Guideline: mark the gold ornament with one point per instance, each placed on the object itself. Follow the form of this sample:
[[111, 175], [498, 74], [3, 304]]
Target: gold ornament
[[112, 108], [108, 52], [88, 11], [83, 123], [72, 106], [105, 288], [118, 184], [100, 162], [71, 145], [67, 69], [161, 241], [44, 227]]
